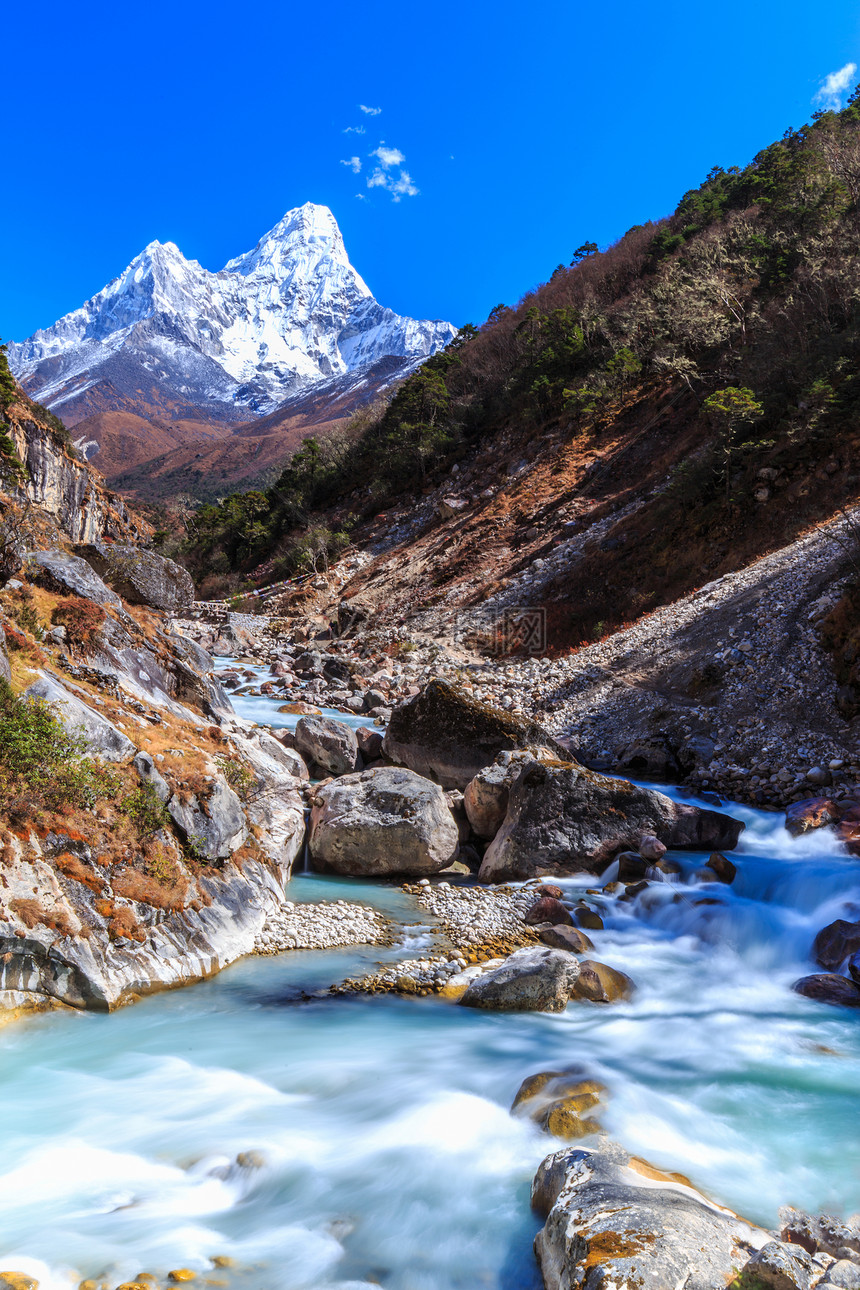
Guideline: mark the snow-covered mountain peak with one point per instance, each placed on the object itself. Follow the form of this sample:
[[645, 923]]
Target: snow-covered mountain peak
[[290, 312]]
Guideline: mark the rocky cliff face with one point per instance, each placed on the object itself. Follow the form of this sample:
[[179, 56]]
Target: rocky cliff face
[[66, 489], [169, 866]]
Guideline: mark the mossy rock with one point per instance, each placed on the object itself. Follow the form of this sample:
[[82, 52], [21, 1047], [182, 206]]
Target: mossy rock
[[17, 1281], [562, 1121]]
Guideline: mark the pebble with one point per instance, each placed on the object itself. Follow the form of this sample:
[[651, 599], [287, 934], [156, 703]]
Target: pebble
[[321, 926]]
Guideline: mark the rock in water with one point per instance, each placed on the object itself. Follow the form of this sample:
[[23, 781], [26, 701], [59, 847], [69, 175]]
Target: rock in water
[[599, 983], [548, 910], [566, 938], [836, 942], [829, 987], [564, 819], [329, 743], [615, 1221], [381, 822], [141, 577], [811, 813], [529, 980], [448, 737]]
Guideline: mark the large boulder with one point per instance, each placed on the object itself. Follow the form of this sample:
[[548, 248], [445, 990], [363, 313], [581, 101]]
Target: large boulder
[[835, 943], [779, 1266], [382, 822], [614, 1220], [100, 737], [820, 1233], [141, 577], [69, 575], [486, 796], [329, 743], [535, 979], [564, 819], [448, 737]]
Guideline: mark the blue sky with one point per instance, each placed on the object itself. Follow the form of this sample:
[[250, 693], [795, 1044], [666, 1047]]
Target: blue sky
[[524, 130]]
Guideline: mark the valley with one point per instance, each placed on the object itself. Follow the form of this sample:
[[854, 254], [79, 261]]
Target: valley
[[430, 764]]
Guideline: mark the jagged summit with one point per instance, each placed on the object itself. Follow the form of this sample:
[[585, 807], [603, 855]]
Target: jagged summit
[[169, 333]]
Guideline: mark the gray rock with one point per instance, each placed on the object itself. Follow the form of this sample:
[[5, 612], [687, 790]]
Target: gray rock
[[190, 687], [141, 577], [149, 774], [449, 737], [778, 1266], [380, 822], [331, 744], [843, 1273], [191, 651], [530, 980], [101, 737], [486, 795], [216, 826], [819, 1232], [71, 576], [286, 757], [565, 819], [615, 1221]]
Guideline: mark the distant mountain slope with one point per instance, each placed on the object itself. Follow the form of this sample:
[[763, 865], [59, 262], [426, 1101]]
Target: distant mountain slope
[[169, 342], [647, 420]]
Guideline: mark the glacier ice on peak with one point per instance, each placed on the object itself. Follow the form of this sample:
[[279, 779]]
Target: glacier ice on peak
[[289, 312]]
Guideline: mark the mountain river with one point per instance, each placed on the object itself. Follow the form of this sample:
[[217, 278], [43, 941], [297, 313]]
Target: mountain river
[[373, 1137]]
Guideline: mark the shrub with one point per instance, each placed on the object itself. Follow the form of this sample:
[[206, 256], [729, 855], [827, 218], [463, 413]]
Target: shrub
[[238, 776], [82, 619], [145, 810], [41, 764]]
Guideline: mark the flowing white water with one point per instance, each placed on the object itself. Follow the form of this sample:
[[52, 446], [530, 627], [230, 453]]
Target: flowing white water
[[386, 1152]]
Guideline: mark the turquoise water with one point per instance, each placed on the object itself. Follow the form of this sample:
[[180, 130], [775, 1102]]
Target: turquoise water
[[386, 1152]]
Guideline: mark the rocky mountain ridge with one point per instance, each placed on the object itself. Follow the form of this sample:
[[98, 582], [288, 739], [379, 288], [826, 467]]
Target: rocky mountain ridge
[[170, 340]]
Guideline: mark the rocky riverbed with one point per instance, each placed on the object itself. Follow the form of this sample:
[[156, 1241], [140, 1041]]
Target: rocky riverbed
[[727, 690]]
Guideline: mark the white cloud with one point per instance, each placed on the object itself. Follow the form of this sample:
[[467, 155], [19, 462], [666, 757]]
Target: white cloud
[[832, 89], [354, 129], [369, 111], [399, 187], [388, 157], [354, 164]]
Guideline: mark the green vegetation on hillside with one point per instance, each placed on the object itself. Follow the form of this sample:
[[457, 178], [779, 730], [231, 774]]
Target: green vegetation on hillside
[[747, 298]]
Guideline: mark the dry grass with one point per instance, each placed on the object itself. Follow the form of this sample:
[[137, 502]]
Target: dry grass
[[32, 915], [71, 866]]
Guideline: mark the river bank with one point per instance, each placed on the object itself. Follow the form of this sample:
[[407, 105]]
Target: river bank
[[386, 1153]]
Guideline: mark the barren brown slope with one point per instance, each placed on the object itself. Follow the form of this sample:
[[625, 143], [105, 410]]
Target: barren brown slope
[[594, 534], [207, 460], [117, 442]]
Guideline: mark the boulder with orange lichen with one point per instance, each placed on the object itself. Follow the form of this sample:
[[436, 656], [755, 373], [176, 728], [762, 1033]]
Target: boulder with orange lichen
[[614, 1220]]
